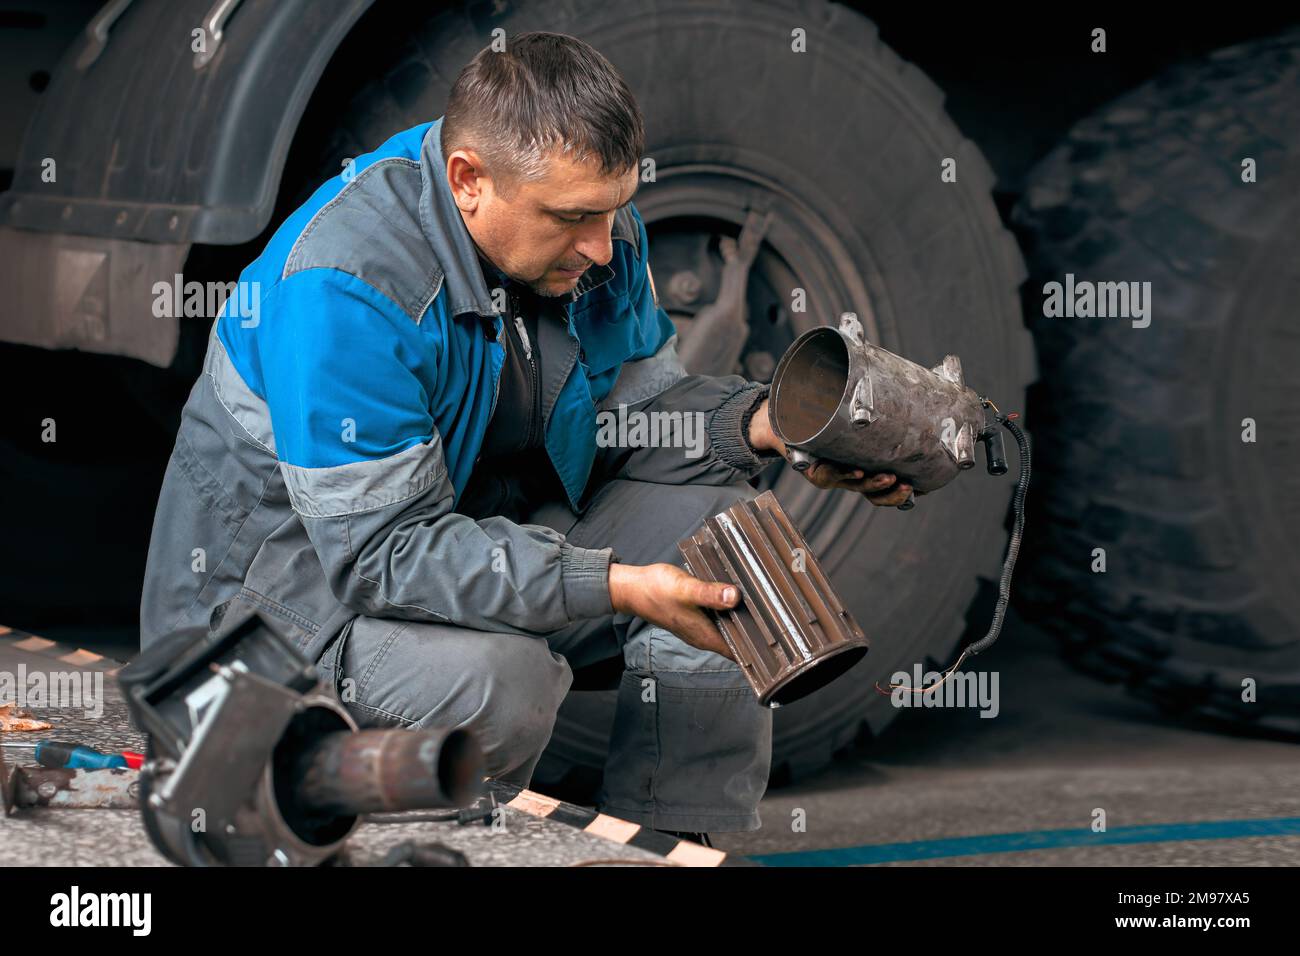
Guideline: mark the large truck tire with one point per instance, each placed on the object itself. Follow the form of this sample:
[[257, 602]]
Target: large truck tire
[[844, 143], [1139, 431]]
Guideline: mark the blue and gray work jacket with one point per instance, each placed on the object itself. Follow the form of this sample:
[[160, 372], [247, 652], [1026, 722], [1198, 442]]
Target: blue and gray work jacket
[[335, 426]]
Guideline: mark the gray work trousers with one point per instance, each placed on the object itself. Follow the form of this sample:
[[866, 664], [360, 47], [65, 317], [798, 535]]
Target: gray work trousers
[[691, 747]]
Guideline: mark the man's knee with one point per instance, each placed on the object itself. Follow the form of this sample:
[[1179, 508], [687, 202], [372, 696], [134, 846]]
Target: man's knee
[[505, 688], [708, 500], [655, 654], [520, 683], [643, 521]]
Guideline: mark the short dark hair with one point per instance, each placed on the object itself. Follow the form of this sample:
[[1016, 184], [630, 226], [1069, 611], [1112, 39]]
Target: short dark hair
[[545, 91]]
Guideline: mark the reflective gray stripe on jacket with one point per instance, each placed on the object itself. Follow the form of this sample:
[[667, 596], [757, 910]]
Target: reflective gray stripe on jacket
[[319, 546]]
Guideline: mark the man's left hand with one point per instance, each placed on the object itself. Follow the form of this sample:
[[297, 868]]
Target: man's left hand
[[881, 489]]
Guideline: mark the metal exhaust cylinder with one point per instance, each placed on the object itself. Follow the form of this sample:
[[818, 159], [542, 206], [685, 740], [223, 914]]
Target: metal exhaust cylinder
[[789, 632], [322, 775], [837, 396], [253, 760], [377, 771]]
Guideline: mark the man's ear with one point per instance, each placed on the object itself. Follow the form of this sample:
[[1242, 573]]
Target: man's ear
[[466, 178]]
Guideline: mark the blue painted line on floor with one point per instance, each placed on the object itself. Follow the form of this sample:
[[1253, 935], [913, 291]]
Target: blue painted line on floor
[[1033, 840]]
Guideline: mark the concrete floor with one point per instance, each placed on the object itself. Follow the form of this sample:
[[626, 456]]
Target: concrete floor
[[43, 836], [943, 787], [1061, 746]]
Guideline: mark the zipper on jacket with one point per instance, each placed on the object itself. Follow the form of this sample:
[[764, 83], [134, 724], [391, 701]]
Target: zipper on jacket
[[523, 337], [496, 393], [534, 377]]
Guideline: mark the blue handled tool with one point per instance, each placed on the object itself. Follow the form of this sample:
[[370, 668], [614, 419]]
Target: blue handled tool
[[65, 756]]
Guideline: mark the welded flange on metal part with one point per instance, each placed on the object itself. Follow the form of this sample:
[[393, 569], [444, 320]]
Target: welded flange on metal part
[[790, 633], [839, 397]]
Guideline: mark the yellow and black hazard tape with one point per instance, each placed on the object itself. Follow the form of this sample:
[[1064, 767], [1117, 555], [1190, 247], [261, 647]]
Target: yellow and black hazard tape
[[624, 832], [53, 650]]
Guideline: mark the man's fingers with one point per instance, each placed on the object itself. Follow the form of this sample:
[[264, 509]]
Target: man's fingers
[[880, 489], [687, 589], [828, 474], [699, 631], [714, 594], [871, 485], [894, 496], [831, 472]]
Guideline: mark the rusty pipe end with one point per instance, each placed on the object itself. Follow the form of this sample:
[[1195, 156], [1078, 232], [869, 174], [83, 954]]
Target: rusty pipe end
[[372, 771]]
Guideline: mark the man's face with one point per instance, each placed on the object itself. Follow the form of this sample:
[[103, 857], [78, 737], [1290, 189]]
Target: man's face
[[548, 232]]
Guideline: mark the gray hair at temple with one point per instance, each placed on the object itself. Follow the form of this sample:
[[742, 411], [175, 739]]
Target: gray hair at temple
[[544, 92]]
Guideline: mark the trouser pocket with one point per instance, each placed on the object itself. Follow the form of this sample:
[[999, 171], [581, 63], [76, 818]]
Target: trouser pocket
[[331, 666]]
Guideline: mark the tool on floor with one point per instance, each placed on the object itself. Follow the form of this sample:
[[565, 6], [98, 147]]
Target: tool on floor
[[8, 786], [253, 761], [115, 788], [58, 754], [64, 788]]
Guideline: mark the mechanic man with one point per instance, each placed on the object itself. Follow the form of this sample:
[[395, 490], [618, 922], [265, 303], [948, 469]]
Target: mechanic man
[[397, 460]]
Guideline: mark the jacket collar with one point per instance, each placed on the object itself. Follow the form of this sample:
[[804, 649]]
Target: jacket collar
[[454, 248]]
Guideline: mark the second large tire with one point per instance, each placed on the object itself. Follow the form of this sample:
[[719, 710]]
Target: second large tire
[[1140, 430]]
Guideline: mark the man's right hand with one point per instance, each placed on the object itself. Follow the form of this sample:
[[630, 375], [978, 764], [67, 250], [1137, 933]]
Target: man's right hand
[[665, 595]]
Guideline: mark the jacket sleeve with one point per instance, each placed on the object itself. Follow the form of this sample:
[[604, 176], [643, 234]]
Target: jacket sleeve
[[347, 376], [658, 423]]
